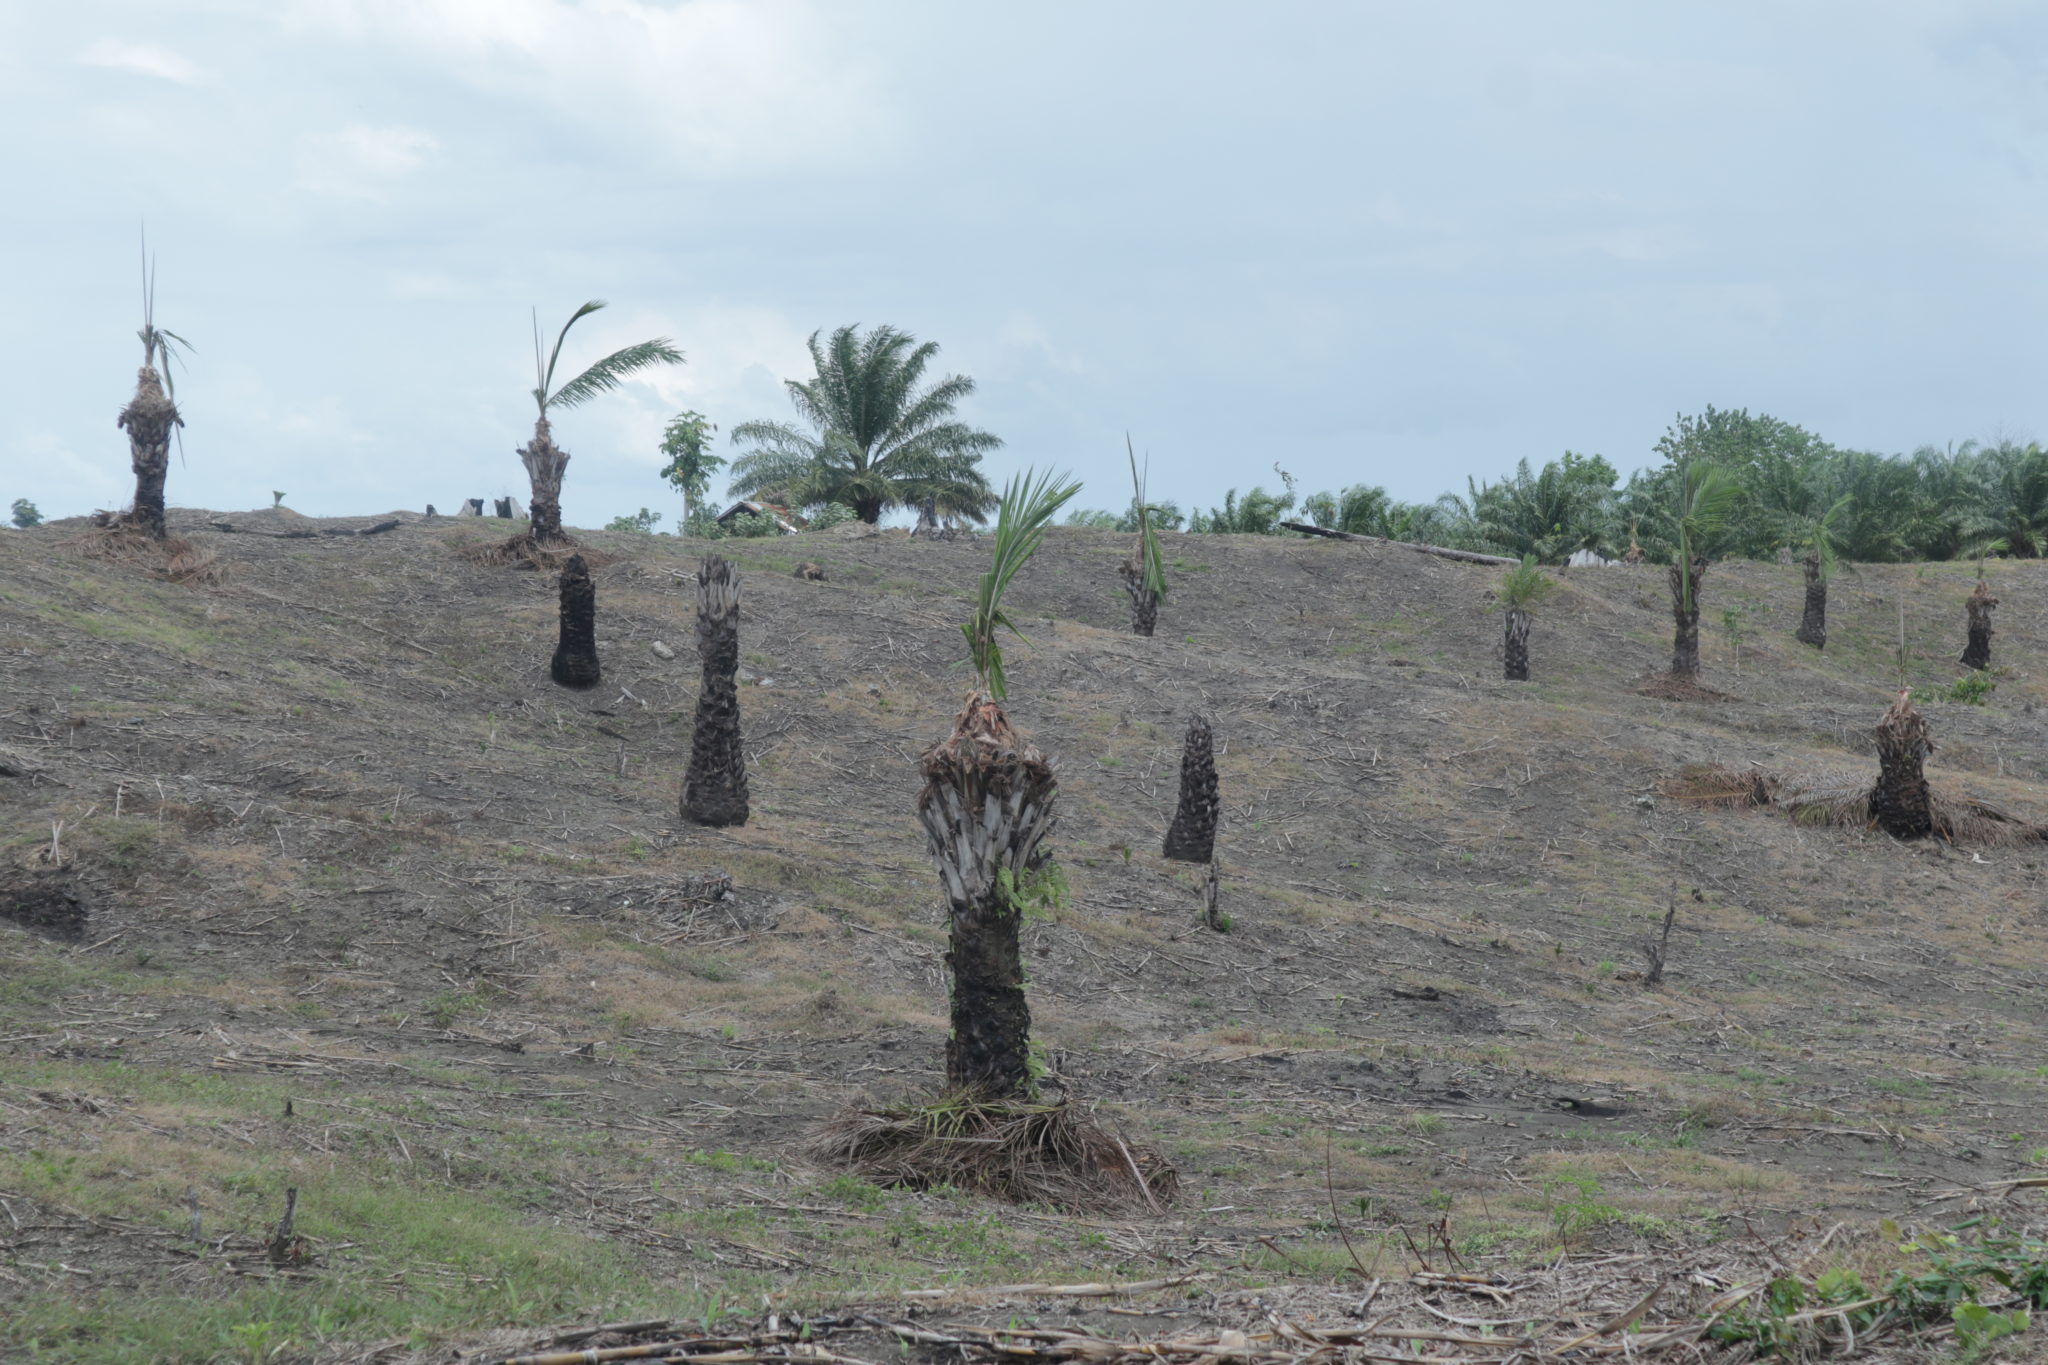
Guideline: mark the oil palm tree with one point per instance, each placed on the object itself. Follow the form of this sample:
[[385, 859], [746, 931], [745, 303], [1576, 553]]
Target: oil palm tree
[[1817, 538], [1705, 494], [1522, 588], [152, 414], [544, 460], [1144, 573], [878, 435], [715, 786], [986, 808]]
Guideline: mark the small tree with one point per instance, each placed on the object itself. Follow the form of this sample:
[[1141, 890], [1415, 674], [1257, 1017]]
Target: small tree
[[715, 788], [1191, 838], [1977, 653], [544, 460], [1144, 573], [986, 808], [686, 441], [1705, 494], [1522, 589], [1818, 541], [26, 514]]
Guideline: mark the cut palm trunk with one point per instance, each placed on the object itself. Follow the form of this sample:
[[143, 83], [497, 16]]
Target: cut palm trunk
[[1685, 614], [1900, 803], [1977, 653], [715, 788], [1813, 622], [986, 808], [545, 463], [1144, 601], [575, 663], [148, 420], [1517, 657], [1191, 838]]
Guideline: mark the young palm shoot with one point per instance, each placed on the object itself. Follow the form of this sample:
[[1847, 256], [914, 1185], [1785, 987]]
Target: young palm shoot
[[1819, 564], [1522, 589], [1706, 495], [544, 460], [152, 414], [986, 808], [1144, 573]]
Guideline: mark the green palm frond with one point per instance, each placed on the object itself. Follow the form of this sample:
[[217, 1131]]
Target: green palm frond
[[1707, 493], [1524, 585], [614, 369], [1148, 534], [1028, 505]]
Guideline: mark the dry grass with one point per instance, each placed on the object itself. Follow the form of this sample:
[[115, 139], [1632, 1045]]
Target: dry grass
[[1843, 799], [1031, 1153]]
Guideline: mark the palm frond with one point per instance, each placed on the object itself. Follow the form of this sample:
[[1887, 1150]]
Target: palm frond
[[1028, 505], [1154, 564], [547, 375], [1524, 585], [614, 369]]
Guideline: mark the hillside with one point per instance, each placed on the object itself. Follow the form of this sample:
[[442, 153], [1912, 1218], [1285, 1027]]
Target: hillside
[[378, 913]]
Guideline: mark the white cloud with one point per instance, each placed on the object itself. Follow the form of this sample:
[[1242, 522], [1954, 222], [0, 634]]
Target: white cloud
[[145, 60], [361, 162], [732, 86]]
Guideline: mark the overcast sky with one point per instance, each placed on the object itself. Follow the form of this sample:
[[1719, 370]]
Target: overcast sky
[[1375, 242]]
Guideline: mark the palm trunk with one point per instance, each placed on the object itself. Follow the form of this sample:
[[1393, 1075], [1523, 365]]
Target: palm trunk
[[148, 420], [715, 789], [575, 662], [1813, 623], [1191, 838], [1144, 602], [545, 462], [1899, 802], [1518, 645], [986, 808], [1977, 654], [1685, 613]]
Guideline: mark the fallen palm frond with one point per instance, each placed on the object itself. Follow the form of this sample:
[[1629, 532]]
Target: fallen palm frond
[[1844, 799], [1052, 1153], [173, 558], [1678, 687], [525, 552]]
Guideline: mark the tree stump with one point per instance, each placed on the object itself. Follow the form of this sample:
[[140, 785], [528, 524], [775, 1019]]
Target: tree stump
[[148, 420], [1144, 602], [1899, 802], [1517, 656], [1685, 615], [1813, 622], [715, 787], [1191, 838], [1977, 653], [575, 663]]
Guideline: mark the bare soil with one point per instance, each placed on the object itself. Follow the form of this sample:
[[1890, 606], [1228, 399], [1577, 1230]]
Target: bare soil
[[368, 902]]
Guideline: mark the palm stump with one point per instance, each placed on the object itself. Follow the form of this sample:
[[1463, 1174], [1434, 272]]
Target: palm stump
[[1191, 838], [1977, 653], [148, 420], [1685, 616], [1144, 601], [1516, 668], [986, 808], [715, 788], [1899, 803], [1813, 622], [575, 662]]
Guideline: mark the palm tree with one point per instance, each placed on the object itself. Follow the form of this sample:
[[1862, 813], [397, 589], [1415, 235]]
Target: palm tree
[[1191, 838], [1977, 653], [1706, 492], [879, 436], [151, 414], [1522, 588], [1818, 540], [544, 460], [575, 662], [1144, 573], [715, 787], [986, 807], [2012, 494]]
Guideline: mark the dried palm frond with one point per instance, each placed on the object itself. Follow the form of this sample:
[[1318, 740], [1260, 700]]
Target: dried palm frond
[[1052, 1153], [1843, 799], [112, 537], [525, 552]]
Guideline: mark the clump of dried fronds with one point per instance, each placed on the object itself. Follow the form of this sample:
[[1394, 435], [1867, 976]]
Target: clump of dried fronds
[[1030, 1152], [113, 537], [523, 551], [1843, 799], [1678, 687]]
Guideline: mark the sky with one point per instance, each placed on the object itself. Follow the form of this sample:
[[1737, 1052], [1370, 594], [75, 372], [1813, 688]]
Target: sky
[[1370, 242]]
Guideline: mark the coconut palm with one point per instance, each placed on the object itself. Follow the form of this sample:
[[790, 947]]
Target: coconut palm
[[1522, 588], [1705, 494], [152, 414], [1144, 573], [544, 460], [715, 786], [879, 436], [986, 807]]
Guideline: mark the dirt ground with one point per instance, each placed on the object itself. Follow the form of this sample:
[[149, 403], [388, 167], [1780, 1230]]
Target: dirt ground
[[318, 882]]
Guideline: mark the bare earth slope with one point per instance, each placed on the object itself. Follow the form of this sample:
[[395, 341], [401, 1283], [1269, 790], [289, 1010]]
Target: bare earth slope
[[378, 913]]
